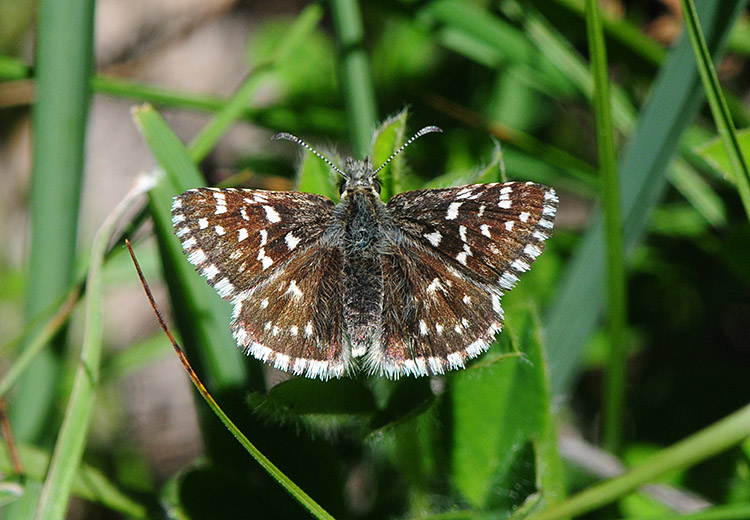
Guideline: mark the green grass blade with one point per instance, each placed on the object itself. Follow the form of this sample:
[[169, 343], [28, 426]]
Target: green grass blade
[[293, 489], [202, 316], [89, 483], [674, 100], [38, 340], [387, 138], [708, 442], [63, 70], [614, 403], [354, 71], [56, 492], [566, 57], [623, 32], [207, 138], [718, 103], [725, 512]]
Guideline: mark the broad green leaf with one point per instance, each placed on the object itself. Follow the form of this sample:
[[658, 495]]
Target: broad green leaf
[[505, 443], [389, 136], [301, 396], [410, 398], [315, 176], [490, 172], [714, 152]]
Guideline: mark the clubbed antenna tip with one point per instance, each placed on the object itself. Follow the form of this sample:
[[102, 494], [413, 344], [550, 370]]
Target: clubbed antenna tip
[[295, 139], [423, 131]]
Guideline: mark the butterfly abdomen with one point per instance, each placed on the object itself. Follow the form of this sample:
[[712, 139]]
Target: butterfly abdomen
[[362, 213]]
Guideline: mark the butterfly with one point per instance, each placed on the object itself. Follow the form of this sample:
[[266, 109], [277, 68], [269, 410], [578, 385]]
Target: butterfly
[[409, 287]]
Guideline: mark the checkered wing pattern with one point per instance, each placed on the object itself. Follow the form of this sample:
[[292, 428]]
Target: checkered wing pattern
[[462, 249], [260, 250]]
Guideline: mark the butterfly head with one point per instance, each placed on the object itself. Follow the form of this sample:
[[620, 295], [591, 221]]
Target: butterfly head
[[358, 175]]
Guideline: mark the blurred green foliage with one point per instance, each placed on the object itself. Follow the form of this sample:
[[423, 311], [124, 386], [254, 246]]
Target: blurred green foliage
[[481, 442]]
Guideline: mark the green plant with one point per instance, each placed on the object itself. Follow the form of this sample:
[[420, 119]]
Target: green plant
[[482, 442]]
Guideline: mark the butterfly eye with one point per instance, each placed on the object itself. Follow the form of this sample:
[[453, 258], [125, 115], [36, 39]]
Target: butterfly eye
[[377, 185]]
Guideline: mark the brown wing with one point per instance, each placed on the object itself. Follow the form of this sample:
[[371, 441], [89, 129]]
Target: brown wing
[[490, 232], [293, 319], [434, 318], [235, 236], [461, 249]]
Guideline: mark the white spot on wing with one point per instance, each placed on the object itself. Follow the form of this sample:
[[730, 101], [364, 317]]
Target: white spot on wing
[[520, 266], [281, 362], [485, 230], [496, 305], [291, 241], [453, 210], [263, 237], [508, 280], [220, 209], [422, 328], [532, 251], [224, 287], [435, 285], [294, 290], [202, 223], [210, 271], [242, 235], [220, 231], [462, 233], [434, 238], [545, 223], [197, 257], [271, 214], [308, 329], [505, 204], [265, 260], [523, 217], [509, 225]]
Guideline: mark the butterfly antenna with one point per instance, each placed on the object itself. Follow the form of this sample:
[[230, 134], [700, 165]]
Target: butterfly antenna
[[295, 139], [425, 130]]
